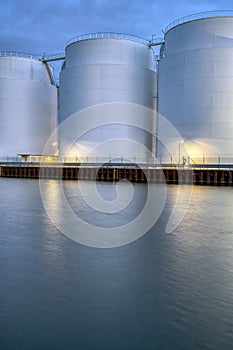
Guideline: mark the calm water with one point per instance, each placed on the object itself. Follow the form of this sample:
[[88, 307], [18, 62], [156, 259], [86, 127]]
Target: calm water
[[164, 291]]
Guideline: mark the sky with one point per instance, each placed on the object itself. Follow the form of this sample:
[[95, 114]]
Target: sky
[[44, 26]]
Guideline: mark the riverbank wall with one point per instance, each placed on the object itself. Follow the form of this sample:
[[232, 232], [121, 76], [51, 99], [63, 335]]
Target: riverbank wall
[[134, 174]]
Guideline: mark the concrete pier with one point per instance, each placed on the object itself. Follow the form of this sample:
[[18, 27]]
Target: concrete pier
[[220, 177]]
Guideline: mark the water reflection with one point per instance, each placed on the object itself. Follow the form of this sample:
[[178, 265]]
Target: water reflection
[[166, 291], [84, 215]]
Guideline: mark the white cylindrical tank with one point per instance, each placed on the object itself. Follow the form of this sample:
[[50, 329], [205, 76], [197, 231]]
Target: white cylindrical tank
[[195, 87], [108, 68], [28, 105]]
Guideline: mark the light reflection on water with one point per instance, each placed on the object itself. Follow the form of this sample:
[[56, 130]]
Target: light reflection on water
[[164, 291]]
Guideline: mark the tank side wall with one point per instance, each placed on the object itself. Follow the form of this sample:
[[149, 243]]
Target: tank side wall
[[105, 71], [196, 87], [28, 107]]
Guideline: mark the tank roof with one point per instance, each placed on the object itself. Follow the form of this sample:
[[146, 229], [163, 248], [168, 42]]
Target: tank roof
[[197, 16], [107, 35], [19, 54]]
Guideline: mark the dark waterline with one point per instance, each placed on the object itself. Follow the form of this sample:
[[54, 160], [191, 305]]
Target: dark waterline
[[164, 291]]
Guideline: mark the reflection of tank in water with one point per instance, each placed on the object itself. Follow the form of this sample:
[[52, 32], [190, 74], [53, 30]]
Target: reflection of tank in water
[[107, 68], [28, 105], [196, 85]]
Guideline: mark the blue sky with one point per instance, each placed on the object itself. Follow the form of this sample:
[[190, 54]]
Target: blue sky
[[44, 26]]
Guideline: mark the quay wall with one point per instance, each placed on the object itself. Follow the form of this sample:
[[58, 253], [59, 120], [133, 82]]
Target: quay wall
[[157, 175]]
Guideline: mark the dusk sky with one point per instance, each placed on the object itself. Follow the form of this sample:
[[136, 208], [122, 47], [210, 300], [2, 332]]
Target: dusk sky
[[44, 26]]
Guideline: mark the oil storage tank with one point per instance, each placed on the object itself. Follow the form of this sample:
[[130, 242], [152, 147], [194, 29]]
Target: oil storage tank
[[108, 68], [195, 87], [28, 105]]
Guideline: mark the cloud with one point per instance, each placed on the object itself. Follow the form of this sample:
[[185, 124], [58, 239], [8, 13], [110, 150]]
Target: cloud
[[45, 26]]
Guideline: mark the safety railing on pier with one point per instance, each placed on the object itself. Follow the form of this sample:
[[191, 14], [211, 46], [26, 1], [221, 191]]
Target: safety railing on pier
[[223, 161]]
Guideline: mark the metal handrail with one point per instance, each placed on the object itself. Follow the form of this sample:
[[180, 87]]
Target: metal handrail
[[19, 54], [107, 35], [201, 15], [155, 41], [53, 57]]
